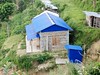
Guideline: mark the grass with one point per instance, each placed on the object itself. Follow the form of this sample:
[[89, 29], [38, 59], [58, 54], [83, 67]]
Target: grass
[[11, 41], [71, 10], [67, 69], [74, 16], [60, 70], [71, 13]]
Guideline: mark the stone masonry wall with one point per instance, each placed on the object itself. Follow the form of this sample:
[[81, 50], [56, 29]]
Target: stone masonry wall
[[54, 40]]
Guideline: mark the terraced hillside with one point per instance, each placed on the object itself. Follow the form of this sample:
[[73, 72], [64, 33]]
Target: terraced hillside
[[70, 10]]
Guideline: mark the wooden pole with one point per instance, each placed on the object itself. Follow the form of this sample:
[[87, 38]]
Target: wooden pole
[[47, 43]]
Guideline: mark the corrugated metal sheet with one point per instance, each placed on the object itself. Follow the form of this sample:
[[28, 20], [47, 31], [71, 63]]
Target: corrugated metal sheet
[[54, 28], [73, 47], [45, 21], [31, 33], [41, 22], [92, 14], [60, 22]]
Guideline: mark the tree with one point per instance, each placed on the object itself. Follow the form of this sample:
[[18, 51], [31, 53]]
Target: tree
[[6, 9], [3, 1], [20, 5]]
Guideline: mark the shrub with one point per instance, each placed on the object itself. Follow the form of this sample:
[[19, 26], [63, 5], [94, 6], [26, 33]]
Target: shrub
[[6, 10], [21, 5], [23, 46], [72, 70], [3, 53], [11, 56], [93, 69], [25, 62], [43, 57], [38, 4]]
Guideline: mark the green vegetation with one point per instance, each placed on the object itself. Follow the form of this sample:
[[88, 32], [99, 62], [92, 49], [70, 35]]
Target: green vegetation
[[12, 41], [92, 69], [10, 56], [6, 9], [16, 14], [90, 5], [71, 69], [67, 69], [13, 21], [3, 53], [72, 13], [42, 58], [27, 61], [18, 21]]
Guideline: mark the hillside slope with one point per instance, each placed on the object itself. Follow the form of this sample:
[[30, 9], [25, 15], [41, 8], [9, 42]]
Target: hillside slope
[[72, 13], [70, 10]]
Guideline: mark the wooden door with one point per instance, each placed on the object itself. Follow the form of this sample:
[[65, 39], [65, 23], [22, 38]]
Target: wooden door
[[55, 40]]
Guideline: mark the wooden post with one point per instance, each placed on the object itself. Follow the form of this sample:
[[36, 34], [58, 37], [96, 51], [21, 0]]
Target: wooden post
[[67, 37], [94, 22], [31, 45], [47, 43], [99, 22], [40, 41]]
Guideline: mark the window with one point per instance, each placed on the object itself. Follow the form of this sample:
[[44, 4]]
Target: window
[[55, 40]]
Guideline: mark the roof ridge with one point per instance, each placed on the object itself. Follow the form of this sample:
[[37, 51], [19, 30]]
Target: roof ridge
[[50, 18], [46, 12]]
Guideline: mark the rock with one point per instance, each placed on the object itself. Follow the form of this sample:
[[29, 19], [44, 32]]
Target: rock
[[61, 61], [46, 66]]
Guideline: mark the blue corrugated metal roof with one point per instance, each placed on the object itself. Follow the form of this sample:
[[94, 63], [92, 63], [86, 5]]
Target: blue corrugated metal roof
[[30, 32], [73, 47], [60, 22], [42, 22], [46, 20], [54, 28]]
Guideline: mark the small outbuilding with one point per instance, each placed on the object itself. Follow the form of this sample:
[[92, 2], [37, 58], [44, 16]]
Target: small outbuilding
[[74, 53], [50, 6], [93, 19], [47, 32]]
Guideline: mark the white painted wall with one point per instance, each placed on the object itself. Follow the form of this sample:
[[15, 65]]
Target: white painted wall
[[28, 46]]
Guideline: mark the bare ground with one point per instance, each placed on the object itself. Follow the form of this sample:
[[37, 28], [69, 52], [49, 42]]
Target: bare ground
[[94, 51]]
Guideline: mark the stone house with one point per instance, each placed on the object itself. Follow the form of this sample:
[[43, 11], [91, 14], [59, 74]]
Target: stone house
[[47, 32], [93, 19]]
